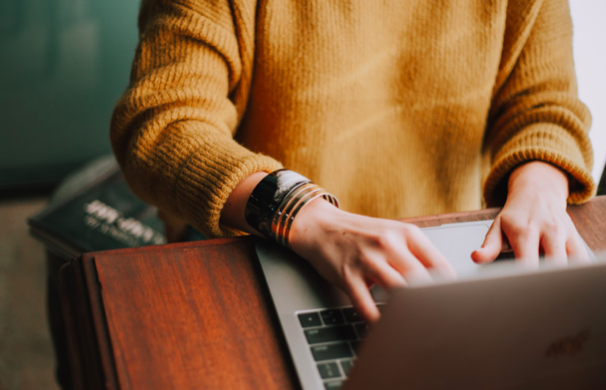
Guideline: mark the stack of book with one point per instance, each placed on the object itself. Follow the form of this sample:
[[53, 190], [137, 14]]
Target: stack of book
[[95, 210]]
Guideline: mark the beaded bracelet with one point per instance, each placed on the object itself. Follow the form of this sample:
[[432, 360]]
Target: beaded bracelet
[[277, 199]]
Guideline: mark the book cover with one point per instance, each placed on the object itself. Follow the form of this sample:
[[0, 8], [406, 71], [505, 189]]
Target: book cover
[[100, 215]]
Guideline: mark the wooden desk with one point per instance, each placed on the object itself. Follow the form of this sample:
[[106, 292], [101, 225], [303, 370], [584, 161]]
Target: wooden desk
[[198, 315]]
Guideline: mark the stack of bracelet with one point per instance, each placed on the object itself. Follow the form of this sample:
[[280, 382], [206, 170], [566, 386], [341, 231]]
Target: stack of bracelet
[[276, 201]]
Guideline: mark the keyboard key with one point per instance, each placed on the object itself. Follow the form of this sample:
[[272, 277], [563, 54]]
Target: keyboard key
[[351, 315], [355, 345], [331, 333], [332, 317], [329, 370], [346, 365], [331, 352], [310, 319], [362, 329], [333, 385]]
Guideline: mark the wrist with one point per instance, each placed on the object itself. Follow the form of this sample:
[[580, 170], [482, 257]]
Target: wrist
[[276, 201], [233, 211], [313, 219], [538, 176]]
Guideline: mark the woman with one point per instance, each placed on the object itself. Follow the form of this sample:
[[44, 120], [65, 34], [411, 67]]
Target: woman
[[396, 109]]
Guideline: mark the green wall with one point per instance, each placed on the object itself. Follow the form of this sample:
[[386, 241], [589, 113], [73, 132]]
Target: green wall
[[63, 64]]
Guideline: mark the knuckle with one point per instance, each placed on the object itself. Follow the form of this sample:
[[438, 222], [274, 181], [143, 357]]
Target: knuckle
[[376, 240], [519, 229], [367, 261], [552, 227], [505, 218], [410, 229], [345, 272], [387, 240]]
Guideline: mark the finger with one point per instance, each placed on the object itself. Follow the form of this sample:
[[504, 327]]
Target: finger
[[492, 245], [577, 251], [525, 245], [362, 299], [554, 247], [411, 269], [381, 272], [424, 250]]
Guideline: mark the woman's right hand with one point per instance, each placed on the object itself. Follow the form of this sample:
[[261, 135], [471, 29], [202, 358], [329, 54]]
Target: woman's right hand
[[351, 251], [354, 252]]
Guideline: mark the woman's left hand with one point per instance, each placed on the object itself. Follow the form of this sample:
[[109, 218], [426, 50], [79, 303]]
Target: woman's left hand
[[534, 219]]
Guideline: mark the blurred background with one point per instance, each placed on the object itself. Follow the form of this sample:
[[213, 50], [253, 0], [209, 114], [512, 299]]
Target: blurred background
[[63, 64]]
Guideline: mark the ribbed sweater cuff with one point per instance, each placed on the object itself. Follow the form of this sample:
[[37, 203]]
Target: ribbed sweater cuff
[[207, 179], [542, 142]]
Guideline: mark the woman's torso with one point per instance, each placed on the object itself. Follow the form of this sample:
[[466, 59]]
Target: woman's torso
[[384, 104]]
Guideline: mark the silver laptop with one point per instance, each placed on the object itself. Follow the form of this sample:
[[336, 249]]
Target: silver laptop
[[495, 327]]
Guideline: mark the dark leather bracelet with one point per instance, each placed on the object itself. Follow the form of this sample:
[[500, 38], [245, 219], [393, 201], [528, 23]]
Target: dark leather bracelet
[[267, 196]]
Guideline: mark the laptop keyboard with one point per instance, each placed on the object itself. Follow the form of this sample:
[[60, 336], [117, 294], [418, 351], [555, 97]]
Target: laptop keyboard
[[334, 336]]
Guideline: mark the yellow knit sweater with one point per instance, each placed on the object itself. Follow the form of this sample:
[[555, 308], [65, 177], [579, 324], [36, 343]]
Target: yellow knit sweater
[[399, 108]]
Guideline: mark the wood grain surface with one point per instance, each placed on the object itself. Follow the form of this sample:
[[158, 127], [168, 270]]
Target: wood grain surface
[[198, 315]]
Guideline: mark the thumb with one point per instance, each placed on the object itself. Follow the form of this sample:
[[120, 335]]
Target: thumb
[[492, 245]]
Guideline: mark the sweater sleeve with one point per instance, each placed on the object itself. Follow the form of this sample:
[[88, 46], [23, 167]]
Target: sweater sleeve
[[172, 130], [535, 112]]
